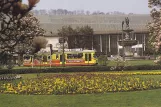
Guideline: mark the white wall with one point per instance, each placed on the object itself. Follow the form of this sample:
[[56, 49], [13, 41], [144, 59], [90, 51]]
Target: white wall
[[51, 40], [55, 42]]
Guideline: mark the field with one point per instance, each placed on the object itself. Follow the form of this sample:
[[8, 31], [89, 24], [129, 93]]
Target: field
[[134, 98]]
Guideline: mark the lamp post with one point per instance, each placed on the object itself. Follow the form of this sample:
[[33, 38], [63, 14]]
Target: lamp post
[[123, 48], [63, 56], [62, 41], [51, 51]]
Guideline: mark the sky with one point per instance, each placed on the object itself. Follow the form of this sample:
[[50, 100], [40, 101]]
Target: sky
[[126, 6]]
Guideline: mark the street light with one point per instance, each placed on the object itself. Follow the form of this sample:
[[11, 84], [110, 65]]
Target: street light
[[62, 40], [123, 48], [51, 51]]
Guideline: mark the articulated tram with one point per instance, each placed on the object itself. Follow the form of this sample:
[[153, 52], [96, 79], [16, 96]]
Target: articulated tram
[[71, 58]]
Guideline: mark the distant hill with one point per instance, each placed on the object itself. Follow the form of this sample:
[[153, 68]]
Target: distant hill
[[74, 12]]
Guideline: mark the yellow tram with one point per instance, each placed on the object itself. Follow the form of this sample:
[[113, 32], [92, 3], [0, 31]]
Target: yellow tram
[[71, 58]]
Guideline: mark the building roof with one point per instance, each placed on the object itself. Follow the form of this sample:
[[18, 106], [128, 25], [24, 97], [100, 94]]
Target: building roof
[[101, 24]]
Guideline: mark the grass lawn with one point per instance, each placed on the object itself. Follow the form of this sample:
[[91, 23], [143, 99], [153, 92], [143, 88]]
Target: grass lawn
[[149, 98]]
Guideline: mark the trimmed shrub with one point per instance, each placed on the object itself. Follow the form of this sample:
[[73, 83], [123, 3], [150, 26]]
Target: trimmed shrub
[[79, 69]]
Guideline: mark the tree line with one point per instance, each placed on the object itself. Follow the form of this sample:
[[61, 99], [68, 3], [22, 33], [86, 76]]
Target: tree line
[[80, 37], [74, 12]]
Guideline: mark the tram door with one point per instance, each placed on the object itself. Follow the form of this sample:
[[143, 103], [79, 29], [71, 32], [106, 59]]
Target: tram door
[[44, 58], [27, 60], [88, 58], [61, 59]]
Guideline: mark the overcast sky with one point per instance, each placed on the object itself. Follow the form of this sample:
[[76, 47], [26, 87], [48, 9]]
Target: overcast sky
[[126, 6]]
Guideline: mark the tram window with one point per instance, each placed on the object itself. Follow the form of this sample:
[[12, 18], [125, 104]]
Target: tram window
[[26, 57], [80, 55], [69, 56], [48, 57], [74, 56], [89, 57], [94, 55], [61, 58], [86, 57], [44, 58]]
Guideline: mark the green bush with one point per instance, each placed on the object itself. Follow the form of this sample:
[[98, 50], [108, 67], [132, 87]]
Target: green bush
[[79, 69], [102, 60]]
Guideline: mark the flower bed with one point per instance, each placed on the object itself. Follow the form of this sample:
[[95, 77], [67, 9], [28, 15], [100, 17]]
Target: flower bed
[[81, 83]]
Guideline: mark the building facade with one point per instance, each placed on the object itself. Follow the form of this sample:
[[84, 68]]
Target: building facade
[[107, 44]]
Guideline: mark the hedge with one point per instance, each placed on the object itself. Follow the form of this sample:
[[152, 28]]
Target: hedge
[[79, 69]]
